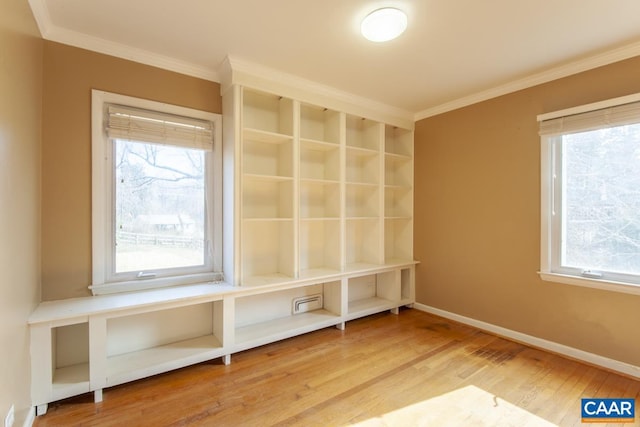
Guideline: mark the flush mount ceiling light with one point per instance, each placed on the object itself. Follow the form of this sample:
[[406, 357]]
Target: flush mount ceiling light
[[384, 24]]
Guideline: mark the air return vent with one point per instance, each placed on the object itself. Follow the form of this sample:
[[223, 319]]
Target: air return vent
[[306, 303]]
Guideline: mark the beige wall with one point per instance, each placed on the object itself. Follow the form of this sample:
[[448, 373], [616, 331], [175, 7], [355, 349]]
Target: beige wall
[[69, 76], [477, 227], [20, 118]]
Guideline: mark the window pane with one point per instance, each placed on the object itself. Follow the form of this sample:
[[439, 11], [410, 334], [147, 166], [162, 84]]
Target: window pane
[[160, 207], [601, 203]]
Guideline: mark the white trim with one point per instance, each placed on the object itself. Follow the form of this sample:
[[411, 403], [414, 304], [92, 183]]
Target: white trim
[[575, 67], [101, 209], [606, 285], [30, 418], [590, 107], [554, 347], [551, 205], [162, 282], [42, 17], [49, 31]]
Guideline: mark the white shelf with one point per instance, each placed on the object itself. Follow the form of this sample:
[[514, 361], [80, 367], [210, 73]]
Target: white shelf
[[398, 171], [266, 279], [147, 362], [364, 169], [268, 159], [267, 198], [70, 381], [318, 145], [398, 141], [362, 201], [368, 306], [277, 329], [362, 241], [363, 133], [262, 315], [318, 181], [319, 160], [267, 112], [319, 199], [51, 311], [250, 177], [398, 236], [398, 157], [319, 273], [320, 244], [267, 249], [258, 135], [318, 123], [398, 202], [362, 152]]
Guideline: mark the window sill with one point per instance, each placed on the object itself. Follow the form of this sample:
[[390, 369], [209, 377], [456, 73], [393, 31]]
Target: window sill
[[161, 282], [627, 288]]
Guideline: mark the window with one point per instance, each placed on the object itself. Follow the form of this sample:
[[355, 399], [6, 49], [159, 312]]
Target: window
[[591, 195], [156, 218]]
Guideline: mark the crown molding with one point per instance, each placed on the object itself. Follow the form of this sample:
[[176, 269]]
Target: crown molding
[[575, 67], [235, 71], [48, 31], [262, 77]]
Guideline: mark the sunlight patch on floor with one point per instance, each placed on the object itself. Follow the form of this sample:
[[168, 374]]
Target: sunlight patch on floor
[[468, 406]]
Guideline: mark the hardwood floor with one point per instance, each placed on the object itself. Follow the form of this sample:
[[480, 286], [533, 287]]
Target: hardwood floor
[[383, 370]]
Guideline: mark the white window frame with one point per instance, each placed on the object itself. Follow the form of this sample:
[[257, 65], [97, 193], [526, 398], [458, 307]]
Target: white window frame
[[103, 281], [551, 227]]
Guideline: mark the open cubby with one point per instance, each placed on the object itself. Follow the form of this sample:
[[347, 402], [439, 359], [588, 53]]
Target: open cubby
[[267, 112], [267, 252], [363, 133], [266, 158], [143, 344], [319, 124], [398, 238], [319, 161], [406, 285], [398, 202], [70, 360], [398, 171], [362, 166], [320, 247], [362, 201], [319, 200], [372, 293], [362, 242], [267, 317], [398, 141], [264, 198]]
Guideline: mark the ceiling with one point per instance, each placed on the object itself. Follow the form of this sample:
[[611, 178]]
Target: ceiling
[[454, 52]]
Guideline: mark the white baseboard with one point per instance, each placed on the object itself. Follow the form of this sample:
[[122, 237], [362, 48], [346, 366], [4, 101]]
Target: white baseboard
[[561, 349], [29, 417]]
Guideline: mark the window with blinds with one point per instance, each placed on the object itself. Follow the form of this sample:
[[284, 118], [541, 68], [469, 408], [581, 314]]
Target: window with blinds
[[157, 202], [591, 195]]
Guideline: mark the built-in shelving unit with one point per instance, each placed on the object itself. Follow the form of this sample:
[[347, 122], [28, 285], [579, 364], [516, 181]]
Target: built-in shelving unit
[[268, 188], [318, 230], [398, 194], [140, 334]]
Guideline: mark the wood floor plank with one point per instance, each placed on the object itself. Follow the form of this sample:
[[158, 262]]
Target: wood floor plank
[[382, 370]]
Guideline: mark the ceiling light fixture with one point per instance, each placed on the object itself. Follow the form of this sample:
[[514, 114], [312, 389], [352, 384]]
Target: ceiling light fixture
[[384, 24]]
